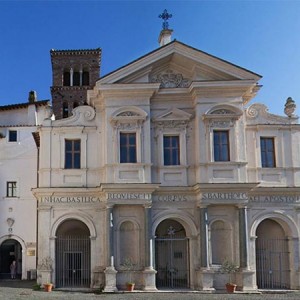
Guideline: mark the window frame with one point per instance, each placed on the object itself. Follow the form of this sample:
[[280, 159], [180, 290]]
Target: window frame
[[128, 147], [265, 162], [10, 131], [171, 150], [73, 153], [11, 191], [218, 148]]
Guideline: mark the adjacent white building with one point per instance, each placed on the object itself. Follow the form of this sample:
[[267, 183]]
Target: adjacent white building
[[18, 175]]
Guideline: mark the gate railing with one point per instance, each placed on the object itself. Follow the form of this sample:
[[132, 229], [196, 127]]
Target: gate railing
[[171, 262], [272, 264], [73, 261]]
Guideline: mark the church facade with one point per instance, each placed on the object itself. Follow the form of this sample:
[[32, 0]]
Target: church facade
[[164, 172]]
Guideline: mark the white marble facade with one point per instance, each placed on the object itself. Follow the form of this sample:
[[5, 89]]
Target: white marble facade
[[175, 219]]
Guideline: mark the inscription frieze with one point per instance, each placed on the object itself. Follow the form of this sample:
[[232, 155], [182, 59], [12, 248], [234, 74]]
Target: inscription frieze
[[128, 196], [70, 199], [275, 199], [172, 198], [224, 196]]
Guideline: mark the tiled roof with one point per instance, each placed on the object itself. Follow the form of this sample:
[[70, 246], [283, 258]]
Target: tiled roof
[[24, 105]]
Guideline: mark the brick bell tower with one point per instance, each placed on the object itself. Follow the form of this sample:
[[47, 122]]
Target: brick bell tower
[[73, 73]]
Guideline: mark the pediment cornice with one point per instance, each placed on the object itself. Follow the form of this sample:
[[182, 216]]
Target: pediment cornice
[[185, 57]]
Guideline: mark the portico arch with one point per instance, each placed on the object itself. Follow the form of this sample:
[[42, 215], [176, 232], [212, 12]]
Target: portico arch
[[73, 254], [173, 233], [275, 250]]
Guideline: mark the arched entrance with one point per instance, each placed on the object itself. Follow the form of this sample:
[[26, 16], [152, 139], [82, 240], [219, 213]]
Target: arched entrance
[[10, 250], [73, 255], [272, 256], [171, 255]]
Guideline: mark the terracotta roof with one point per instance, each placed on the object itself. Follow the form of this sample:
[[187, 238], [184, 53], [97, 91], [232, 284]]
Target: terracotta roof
[[75, 51], [24, 105], [36, 137]]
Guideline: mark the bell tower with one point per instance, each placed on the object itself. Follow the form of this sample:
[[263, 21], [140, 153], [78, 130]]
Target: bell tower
[[73, 73]]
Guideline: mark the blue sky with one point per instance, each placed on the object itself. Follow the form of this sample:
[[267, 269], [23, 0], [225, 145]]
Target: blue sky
[[262, 36]]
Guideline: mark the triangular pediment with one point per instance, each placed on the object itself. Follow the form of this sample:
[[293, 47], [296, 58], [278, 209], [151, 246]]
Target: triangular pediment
[[173, 114], [177, 65]]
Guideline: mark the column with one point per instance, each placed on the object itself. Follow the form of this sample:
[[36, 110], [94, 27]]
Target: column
[[148, 238], [205, 276], [243, 238], [110, 272], [204, 237], [71, 76], [80, 76], [149, 272], [246, 278]]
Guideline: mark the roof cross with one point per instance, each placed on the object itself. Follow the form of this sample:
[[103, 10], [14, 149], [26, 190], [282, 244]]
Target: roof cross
[[165, 16]]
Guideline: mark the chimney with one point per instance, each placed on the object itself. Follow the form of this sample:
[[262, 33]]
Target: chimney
[[166, 33]]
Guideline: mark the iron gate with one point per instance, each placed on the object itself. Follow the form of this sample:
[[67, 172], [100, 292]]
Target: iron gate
[[73, 261], [171, 262], [272, 264]]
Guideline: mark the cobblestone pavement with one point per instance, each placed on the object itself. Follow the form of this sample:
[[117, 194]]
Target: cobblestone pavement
[[21, 291]]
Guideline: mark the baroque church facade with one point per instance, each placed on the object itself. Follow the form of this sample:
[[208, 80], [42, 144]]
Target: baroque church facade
[[159, 172]]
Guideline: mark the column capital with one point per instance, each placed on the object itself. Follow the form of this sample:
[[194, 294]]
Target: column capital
[[201, 205]]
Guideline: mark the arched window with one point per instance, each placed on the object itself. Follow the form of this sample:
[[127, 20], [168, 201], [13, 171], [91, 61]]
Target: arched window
[[65, 110], [66, 79], [85, 78], [76, 79], [220, 238]]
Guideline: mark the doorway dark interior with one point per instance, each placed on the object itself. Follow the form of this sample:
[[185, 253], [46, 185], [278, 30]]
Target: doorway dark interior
[[10, 250]]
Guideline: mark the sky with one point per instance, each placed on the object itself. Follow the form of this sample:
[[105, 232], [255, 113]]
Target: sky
[[261, 36]]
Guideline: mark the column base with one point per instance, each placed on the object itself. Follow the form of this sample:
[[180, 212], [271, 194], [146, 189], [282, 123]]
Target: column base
[[246, 281], [44, 276], [110, 280], [205, 280], [149, 279]]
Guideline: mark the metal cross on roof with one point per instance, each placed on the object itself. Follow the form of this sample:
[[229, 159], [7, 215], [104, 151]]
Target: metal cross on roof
[[165, 16]]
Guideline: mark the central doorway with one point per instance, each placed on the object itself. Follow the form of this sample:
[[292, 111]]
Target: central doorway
[[73, 255], [171, 255]]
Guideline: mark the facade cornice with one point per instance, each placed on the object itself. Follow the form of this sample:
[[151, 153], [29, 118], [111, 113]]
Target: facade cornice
[[128, 90], [225, 187], [129, 187], [275, 189]]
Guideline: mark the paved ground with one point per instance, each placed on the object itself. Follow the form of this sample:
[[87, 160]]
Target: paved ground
[[23, 290]]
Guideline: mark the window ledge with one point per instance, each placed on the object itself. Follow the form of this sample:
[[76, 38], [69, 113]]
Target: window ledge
[[224, 163]]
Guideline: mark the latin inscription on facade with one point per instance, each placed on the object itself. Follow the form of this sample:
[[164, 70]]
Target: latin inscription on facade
[[275, 199], [129, 196], [224, 196], [172, 198], [70, 199]]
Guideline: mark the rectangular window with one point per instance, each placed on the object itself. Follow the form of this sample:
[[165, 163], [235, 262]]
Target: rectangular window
[[128, 147], [171, 151], [267, 152], [11, 189], [72, 154], [12, 136], [221, 145]]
